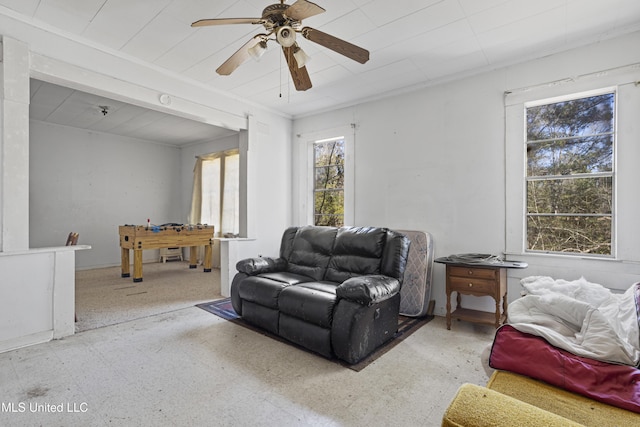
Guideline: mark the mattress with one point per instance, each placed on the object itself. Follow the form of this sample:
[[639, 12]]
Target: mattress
[[416, 288]]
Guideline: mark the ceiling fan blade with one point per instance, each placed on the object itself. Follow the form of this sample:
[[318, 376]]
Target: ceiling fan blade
[[345, 48], [239, 57], [226, 21], [303, 9], [300, 76]]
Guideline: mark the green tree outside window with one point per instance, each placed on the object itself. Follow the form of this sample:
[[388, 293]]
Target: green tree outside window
[[570, 176], [328, 190]]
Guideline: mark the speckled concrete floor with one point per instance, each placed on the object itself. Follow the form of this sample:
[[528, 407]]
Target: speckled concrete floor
[[188, 367]]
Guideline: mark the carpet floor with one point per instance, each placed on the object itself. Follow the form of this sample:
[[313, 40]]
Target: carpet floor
[[105, 298], [406, 326]]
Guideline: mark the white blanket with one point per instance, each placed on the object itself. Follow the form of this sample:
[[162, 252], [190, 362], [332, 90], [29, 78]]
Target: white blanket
[[580, 317]]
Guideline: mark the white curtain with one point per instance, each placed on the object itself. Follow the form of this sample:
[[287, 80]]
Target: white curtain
[[196, 193], [215, 196], [230, 212]]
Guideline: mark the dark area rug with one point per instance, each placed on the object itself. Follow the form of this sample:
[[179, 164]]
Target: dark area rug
[[406, 326]]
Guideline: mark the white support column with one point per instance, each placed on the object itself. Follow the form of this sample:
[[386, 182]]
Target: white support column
[[244, 183], [14, 145], [230, 254], [248, 185]]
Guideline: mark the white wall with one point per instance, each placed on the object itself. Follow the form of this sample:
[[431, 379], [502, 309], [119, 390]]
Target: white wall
[[38, 282], [270, 175], [92, 182], [434, 160]]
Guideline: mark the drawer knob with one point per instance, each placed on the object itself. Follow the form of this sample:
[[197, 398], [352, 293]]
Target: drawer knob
[[470, 285], [470, 273]]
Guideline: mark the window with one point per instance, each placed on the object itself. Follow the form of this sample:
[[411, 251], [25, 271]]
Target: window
[[570, 175], [219, 192], [323, 185], [328, 182]]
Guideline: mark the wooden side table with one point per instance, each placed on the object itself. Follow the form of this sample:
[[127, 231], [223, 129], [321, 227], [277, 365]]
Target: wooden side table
[[478, 279]]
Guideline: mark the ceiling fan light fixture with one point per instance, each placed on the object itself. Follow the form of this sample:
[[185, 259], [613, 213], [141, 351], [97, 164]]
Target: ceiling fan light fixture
[[258, 50], [301, 57], [281, 22], [286, 36]]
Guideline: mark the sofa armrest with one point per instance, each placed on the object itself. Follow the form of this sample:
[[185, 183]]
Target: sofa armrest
[[253, 266], [368, 290]]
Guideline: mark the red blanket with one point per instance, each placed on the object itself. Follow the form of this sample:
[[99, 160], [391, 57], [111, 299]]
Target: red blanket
[[530, 355]]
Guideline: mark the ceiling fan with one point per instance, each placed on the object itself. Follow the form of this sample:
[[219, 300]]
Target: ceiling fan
[[282, 22]]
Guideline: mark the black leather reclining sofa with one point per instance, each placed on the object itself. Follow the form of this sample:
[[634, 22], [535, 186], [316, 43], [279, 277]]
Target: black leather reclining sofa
[[335, 291]]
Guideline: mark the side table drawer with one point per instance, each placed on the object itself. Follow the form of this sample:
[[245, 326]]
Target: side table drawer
[[474, 272], [472, 285]]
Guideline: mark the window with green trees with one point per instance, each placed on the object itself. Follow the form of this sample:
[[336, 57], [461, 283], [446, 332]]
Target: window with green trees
[[570, 175], [328, 188]]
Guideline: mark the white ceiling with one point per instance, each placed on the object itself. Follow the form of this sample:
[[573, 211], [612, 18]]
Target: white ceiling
[[67, 107], [413, 43]]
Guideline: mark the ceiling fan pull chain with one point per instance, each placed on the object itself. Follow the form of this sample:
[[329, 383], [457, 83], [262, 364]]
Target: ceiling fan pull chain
[[280, 74], [289, 80]]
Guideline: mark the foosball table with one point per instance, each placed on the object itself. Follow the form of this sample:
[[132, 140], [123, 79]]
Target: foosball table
[[140, 237]]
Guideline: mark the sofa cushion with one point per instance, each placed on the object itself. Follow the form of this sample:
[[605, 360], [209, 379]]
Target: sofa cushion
[[474, 405], [311, 251], [265, 288], [556, 400], [286, 277], [312, 302], [357, 252]]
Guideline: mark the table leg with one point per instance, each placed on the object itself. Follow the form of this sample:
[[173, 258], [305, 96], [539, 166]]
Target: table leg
[[124, 260], [208, 258], [505, 306], [193, 257], [137, 265], [448, 310]]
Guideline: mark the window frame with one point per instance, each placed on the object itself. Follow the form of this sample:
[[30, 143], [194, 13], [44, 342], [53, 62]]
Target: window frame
[[303, 180], [527, 179], [314, 169]]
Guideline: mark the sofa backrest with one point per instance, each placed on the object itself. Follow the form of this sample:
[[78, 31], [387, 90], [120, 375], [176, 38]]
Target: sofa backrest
[[395, 256], [309, 250], [286, 245], [337, 254], [357, 252]]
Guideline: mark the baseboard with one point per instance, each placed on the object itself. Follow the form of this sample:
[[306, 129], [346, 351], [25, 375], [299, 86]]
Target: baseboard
[[25, 341]]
